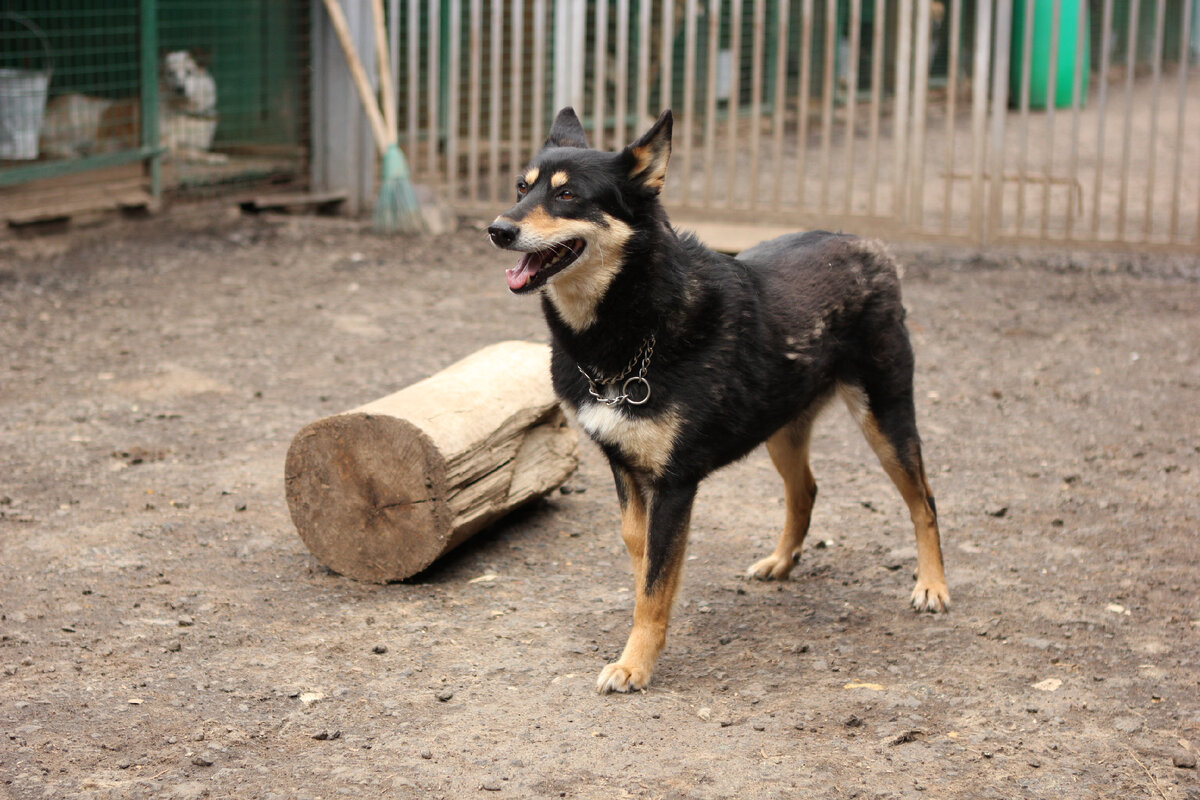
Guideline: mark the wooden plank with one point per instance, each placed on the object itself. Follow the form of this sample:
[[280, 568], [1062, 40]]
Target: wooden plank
[[293, 201], [107, 189]]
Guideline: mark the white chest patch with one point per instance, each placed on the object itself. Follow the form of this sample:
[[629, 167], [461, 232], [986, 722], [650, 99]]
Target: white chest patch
[[646, 441]]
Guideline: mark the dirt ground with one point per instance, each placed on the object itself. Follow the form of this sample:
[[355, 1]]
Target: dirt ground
[[164, 633]]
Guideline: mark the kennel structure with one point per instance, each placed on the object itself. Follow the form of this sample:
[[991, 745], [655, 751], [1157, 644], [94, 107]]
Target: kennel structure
[[91, 115]]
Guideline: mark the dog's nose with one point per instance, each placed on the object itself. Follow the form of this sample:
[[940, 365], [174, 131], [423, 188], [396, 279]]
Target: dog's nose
[[503, 233]]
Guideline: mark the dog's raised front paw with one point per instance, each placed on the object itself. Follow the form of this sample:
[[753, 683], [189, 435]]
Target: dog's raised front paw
[[616, 677], [773, 568], [931, 596]]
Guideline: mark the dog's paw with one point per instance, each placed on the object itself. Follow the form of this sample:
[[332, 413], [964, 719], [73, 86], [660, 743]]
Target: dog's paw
[[617, 677], [773, 568], [930, 597]]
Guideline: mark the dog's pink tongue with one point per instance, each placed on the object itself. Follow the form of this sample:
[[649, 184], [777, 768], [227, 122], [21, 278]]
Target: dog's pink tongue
[[522, 273]]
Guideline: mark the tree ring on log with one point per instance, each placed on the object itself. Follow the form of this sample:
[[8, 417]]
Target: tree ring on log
[[368, 512]]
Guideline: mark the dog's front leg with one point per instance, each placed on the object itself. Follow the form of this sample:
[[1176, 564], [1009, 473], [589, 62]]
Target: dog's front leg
[[657, 556]]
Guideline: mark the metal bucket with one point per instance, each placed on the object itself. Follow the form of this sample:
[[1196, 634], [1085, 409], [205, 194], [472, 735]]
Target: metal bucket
[[23, 101]]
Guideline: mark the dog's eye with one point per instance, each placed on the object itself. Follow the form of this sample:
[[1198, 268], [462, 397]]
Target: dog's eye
[[566, 194], [522, 187]]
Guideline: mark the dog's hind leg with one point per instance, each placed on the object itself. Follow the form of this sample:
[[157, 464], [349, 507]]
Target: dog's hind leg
[[788, 448], [657, 560], [888, 421]]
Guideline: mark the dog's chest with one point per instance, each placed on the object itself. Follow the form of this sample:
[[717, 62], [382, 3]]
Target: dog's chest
[[645, 441]]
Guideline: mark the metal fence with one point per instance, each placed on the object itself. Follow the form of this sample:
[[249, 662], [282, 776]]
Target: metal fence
[[999, 120], [149, 95]]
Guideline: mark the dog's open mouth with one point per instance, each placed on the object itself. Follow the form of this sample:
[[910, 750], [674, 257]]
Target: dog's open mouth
[[534, 269]]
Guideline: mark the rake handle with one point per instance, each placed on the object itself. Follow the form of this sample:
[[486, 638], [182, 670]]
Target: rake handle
[[365, 93]]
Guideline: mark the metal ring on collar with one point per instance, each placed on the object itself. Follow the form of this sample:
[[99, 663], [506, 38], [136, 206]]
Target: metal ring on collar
[[625, 390]]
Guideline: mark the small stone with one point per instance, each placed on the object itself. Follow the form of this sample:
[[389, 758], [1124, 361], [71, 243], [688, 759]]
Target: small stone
[[1184, 759], [174, 646], [705, 713], [491, 785], [327, 735], [1128, 724], [854, 722], [445, 695], [10, 669], [379, 649], [202, 761], [426, 754]]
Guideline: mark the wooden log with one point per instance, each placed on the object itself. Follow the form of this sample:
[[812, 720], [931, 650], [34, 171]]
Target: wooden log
[[379, 492]]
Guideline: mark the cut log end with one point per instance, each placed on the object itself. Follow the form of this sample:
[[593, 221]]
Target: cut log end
[[367, 494]]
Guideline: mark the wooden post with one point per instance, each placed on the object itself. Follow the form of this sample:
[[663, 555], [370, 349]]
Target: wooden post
[[380, 492]]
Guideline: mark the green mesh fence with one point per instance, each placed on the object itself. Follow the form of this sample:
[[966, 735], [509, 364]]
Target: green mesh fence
[[207, 93]]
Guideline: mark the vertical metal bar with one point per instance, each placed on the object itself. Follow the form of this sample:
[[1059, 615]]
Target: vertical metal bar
[[577, 49], [495, 96], [1081, 32], [735, 54], [877, 54], [414, 61], [710, 102], [563, 18], [1101, 101], [903, 93], [453, 49], [1156, 68], [1180, 106], [978, 216], [148, 44], [1051, 102], [827, 83], [474, 97], [516, 62], [806, 54], [951, 109], [852, 100], [916, 213], [433, 89], [537, 123], [689, 97], [645, 9], [621, 109], [666, 53], [758, 33], [599, 78], [781, 64], [1000, 53], [1023, 149], [1127, 135]]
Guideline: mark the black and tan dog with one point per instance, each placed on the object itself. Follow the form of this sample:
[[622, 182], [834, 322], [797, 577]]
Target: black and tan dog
[[678, 360]]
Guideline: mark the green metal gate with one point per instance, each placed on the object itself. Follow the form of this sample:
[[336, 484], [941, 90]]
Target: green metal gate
[[190, 95]]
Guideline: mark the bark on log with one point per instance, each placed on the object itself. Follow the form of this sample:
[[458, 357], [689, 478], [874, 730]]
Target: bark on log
[[380, 492]]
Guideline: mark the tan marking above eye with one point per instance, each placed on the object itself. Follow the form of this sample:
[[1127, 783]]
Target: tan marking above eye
[[558, 179], [532, 176]]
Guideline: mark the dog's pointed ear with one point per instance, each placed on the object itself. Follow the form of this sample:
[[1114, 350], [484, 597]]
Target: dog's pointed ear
[[567, 130], [648, 156]]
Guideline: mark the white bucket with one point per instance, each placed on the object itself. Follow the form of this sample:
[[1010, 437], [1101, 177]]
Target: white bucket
[[22, 106], [23, 100]]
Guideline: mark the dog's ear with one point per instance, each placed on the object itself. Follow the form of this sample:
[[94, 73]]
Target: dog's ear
[[647, 157], [567, 130]]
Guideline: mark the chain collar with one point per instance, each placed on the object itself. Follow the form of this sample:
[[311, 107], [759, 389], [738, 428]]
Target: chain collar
[[625, 380]]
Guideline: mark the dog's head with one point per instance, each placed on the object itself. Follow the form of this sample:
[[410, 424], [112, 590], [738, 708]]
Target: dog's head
[[190, 85], [576, 207]]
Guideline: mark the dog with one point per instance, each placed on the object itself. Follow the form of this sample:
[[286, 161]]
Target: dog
[[677, 360], [80, 125]]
